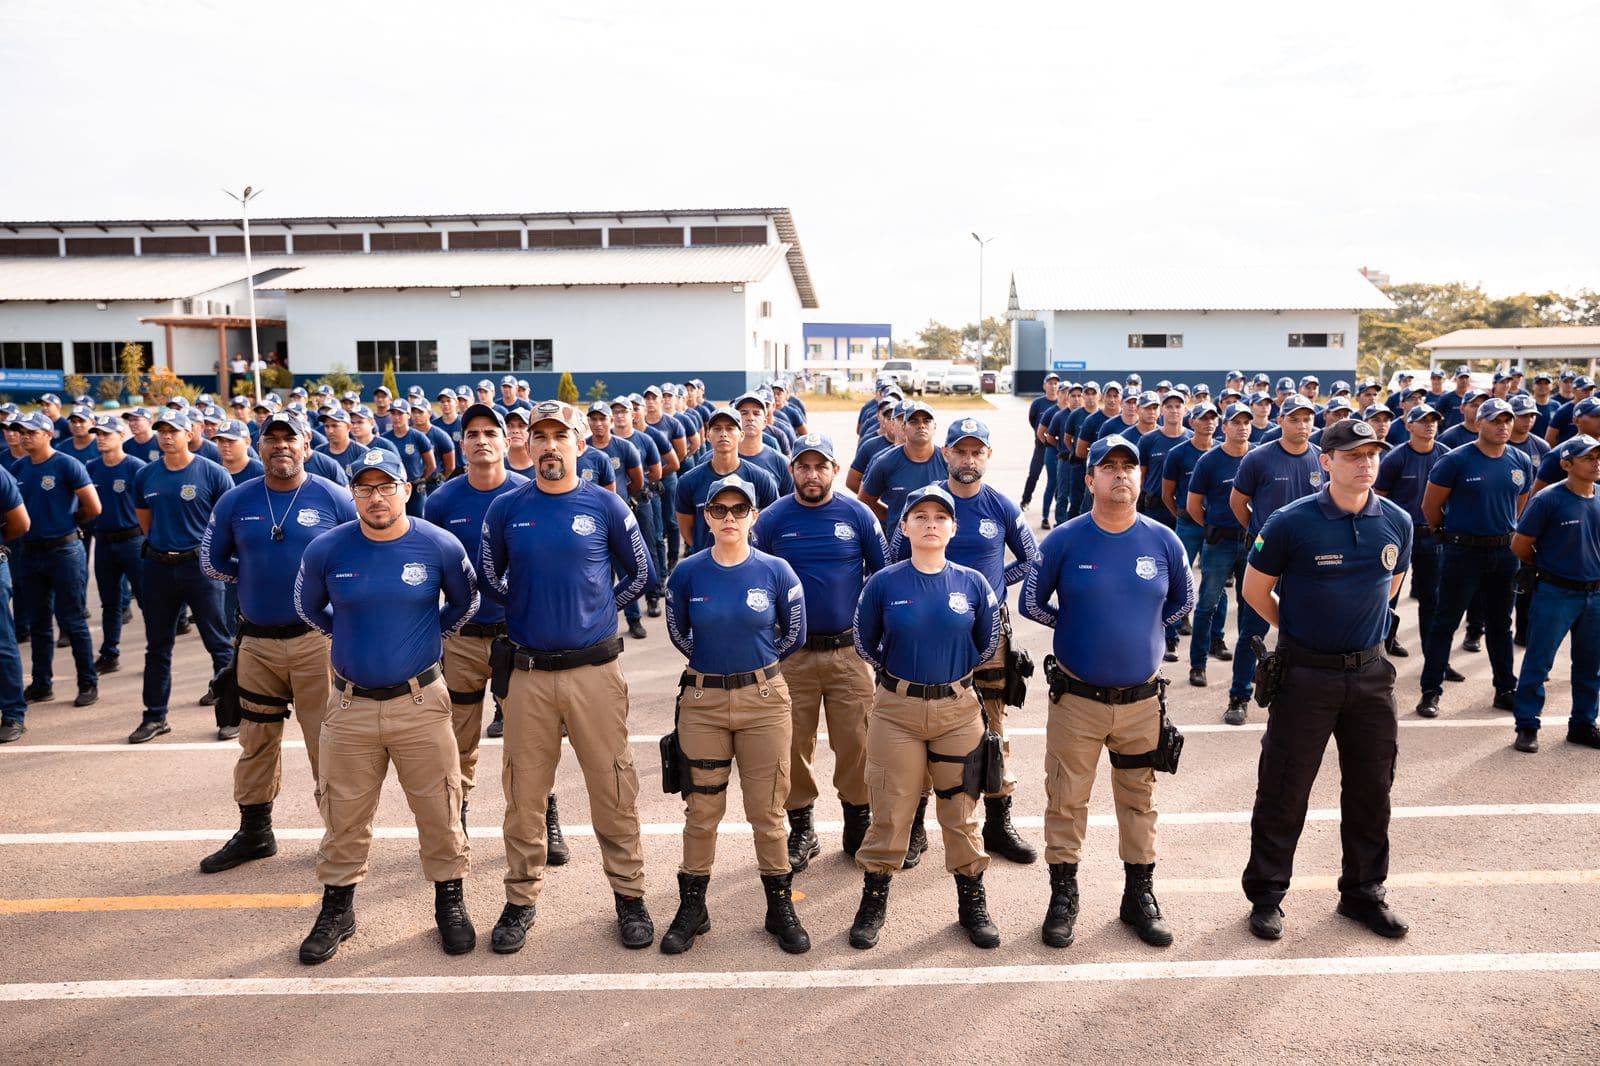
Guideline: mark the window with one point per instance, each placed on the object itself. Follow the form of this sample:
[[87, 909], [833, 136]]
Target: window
[[727, 235], [1155, 340], [484, 238], [766, 308], [1316, 340], [99, 245], [177, 246], [408, 357], [624, 236], [858, 349], [814, 350], [260, 244], [30, 355], [404, 242], [30, 246], [562, 238], [325, 242], [512, 356], [104, 357]]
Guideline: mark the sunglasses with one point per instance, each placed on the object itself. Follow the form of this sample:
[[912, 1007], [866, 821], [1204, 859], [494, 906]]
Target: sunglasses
[[720, 511]]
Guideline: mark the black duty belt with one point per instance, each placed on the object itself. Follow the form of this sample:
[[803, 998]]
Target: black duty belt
[[427, 677], [1234, 533], [482, 629], [1567, 583], [1422, 531], [1106, 694], [117, 536], [170, 558], [248, 628], [1467, 540], [830, 641], [924, 692], [729, 681], [52, 543], [1301, 656], [593, 655]]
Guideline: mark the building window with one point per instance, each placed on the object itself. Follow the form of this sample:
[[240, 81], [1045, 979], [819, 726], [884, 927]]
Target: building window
[[408, 357], [325, 242], [858, 349], [99, 245], [630, 236], [30, 355], [727, 235], [30, 246], [466, 239], [1155, 340], [104, 357], [814, 350], [563, 238], [512, 356], [403, 242], [260, 244], [1316, 340], [177, 246]]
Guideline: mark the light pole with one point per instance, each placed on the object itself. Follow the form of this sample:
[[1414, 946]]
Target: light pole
[[244, 199], [981, 242]]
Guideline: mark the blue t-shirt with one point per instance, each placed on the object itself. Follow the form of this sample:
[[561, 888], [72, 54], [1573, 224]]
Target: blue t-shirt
[[85, 455], [322, 465], [1334, 569], [251, 470], [1123, 590], [1213, 478], [1271, 477], [649, 453], [893, 475], [149, 451], [773, 463], [929, 629], [443, 444], [1533, 447], [1154, 447], [668, 430], [239, 546], [692, 488], [379, 600], [380, 442], [1178, 468], [1565, 528], [869, 449], [834, 547], [1561, 420], [1449, 407], [179, 501], [1037, 409], [413, 447], [1118, 426], [623, 456], [1550, 471], [453, 431], [49, 489], [1547, 410], [548, 559], [346, 459], [986, 526], [735, 619], [1457, 436], [10, 494], [1483, 491], [1089, 428], [114, 485], [593, 465], [1403, 478], [459, 509], [1066, 429]]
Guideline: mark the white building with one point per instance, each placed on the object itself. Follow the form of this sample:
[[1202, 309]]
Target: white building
[[629, 297], [854, 349], [1189, 325], [1548, 346]]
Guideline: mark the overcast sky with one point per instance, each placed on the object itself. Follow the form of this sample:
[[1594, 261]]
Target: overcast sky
[[1449, 141]]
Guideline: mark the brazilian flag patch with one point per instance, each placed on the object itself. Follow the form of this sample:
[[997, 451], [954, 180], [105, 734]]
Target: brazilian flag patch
[[1259, 542]]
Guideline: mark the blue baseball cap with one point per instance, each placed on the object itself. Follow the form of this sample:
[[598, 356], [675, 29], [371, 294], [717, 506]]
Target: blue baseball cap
[[336, 414], [1206, 407], [744, 397], [380, 459], [732, 483], [415, 392], [1436, 372], [1261, 379], [463, 392], [1286, 384], [964, 428], [917, 407], [1101, 449], [1202, 389], [1235, 410], [401, 407], [1493, 408], [487, 410], [1463, 371], [1473, 396], [1421, 411], [232, 429], [934, 493], [1577, 446], [1522, 404], [175, 419], [351, 394], [1310, 379], [324, 390], [110, 424], [722, 412], [1149, 399], [1588, 406], [599, 407], [1340, 386], [286, 420], [1339, 403], [1376, 410], [1350, 434], [814, 442], [137, 412], [50, 397], [1583, 381], [1091, 386], [1295, 403], [1542, 376], [239, 401], [1052, 376], [37, 421], [85, 413]]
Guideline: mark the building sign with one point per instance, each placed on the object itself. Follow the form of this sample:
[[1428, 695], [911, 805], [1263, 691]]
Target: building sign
[[1062, 364], [42, 380]]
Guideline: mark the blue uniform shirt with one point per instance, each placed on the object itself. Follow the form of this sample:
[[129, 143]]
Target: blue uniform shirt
[[453, 431], [693, 485], [460, 509], [1550, 471], [114, 485], [593, 465], [1117, 425], [1334, 569], [773, 462], [645, 445], [384, 442], [1272, 478], [149, 451], [623, 456], [1154, 447], [239, 547], [323, 465], [1038, 408], [1403, 478], [379, 600], [834, 547], [1561, 420], [929, 629], [1178, 467], [346, 459], [179, 501], [735, 619], [443, 444], [413, 446], [869, 449], [1449, 407], [85, 455], [1457, 436], [1534, 448], [986, 526], [1483, 491], [1123, 588], [251, 470], [1213, 478], [892, 475], [1547, 410], [10, 494], [1565, 528], [50, 491], [1066, 427]]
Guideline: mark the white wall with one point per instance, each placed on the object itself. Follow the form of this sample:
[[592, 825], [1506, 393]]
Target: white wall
[[1217, 341], [77, 320], [782, 327]]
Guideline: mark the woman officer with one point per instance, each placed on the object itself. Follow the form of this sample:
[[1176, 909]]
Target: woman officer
[[924, 624], [734, 612]]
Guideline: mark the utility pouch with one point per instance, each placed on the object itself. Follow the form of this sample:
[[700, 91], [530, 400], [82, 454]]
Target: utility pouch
[[225, 686], [1019, 667], [676, 767]]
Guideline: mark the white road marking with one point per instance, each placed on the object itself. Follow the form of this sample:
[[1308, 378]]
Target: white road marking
[[1088, 973], [649, 829]]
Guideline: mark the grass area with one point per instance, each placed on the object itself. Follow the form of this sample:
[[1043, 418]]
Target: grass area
[[816, 401]]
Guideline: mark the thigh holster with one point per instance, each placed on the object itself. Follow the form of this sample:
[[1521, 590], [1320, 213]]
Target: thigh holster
[[677, 768]]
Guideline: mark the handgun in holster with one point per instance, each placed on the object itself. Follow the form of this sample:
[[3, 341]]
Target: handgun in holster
[[502, 660], [1270, 670]]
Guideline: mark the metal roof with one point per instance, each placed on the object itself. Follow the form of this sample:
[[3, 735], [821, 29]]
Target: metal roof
[[1530, 337], [125, 277], [1196, 289], [669, 215]]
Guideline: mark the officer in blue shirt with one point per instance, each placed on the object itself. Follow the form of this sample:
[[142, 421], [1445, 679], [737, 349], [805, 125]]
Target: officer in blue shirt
[[1474, 496], [1403, 478], [13, 704], [905, 467], [1465, 429], [233, 444], [1070, 484], [834, 543], [373, 588], [119, 542], [444, 448], [890, 431], [752, 410], [1448, 404], [1130, 574], [1562, 424], [625, 422], [80, 444], [547, 555], [1220, 544], [450, 422], [1559, 535], [416, 454], [1053, 433], [1323, 570], [257, 533], [1041, 406], [723, 430], [54, 566], [174, 499], [924, 625], [341, 447], [627, 467], [363, 430]]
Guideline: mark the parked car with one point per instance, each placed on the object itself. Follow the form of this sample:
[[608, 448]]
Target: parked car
[[962, 379], [933, 373], [905, 374]]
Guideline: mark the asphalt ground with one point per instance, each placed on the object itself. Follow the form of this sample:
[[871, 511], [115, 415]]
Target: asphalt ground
[[116, 947]]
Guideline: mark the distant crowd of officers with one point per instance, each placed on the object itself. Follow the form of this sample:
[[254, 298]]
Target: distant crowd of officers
[[498, 537]]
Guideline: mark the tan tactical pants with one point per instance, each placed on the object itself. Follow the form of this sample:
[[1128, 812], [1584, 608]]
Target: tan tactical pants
[[1075, 733], [837, 683], [466, 676], [271, 675], [751, 726]]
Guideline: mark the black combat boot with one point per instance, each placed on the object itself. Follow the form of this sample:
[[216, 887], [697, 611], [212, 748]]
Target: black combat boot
[[633, 921], [254, 840], [919, 837], [335, 924], [1062, 913], [803, 846], [692, 919], [1000, 837], [857, 820], [873, 910], [1139, 906], [450, 914], [974, 911], [511, 931], [555, 845], [782, 922]]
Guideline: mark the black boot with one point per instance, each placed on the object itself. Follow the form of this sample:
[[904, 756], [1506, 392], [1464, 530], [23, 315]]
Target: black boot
[[1000, 837], [857, 820], [919, 837], [1062, 913], [873, 910], [974, 910], [497, 725], [335, 924], [803, 846], [692, 919], [555, 845], [1139, 906], [450, 914], [633, 921], [782, 922], [254, 840]]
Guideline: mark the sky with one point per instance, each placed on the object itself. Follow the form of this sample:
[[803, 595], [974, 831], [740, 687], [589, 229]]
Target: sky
[[1434, 141]]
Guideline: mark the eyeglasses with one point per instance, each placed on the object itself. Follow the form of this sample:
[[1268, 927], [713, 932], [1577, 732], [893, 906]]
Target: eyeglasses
[[720, 511], [363, 492]]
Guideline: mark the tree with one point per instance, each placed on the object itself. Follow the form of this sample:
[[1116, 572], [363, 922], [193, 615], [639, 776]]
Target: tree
[[598, 391], [567, 389], [389, 381], [132, 362]]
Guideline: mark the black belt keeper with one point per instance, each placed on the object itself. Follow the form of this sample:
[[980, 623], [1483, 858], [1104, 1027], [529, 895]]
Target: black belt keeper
[[1467, 540], [1302, 656], [551, 661], [169, 558], [692, 679], [392, 692], [830, 641], [924, 692], [117, 536], [52, 543], [482, 629], [1567, 583], [248, 628]]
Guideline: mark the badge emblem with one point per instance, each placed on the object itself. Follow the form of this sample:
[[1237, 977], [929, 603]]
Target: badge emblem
[[47, 482], [308, 517], [844, 531], [188, 492], [969, 425], [588, 475], [1517, 478], [958, 602], [989, 528], [582, 525], [1315, 479], [414, 573], [812, 440], [1145, 567], [118, 485], [411, 449], [757, 599], [373, 457], [1391, 556]]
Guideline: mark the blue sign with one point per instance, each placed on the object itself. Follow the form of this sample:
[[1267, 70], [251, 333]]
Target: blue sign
[[1061, 364], [42, 380]]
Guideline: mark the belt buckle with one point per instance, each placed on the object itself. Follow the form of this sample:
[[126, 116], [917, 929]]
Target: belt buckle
[[1352, 661]]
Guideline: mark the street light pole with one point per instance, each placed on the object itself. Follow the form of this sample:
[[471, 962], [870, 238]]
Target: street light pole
[[250, 284], [981, 242]]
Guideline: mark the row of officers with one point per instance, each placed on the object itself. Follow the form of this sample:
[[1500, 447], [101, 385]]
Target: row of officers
[[789, 611]]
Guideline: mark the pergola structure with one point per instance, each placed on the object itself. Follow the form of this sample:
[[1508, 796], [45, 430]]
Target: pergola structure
[[220, 323]]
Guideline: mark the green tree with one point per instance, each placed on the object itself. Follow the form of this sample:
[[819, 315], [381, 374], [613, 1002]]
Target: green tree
[[389, 381], [567, 389], [940, 341], [133, 366], [598, 391]]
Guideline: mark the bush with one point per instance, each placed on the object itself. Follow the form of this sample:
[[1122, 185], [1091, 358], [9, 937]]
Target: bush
[[110, 389], [278, 378], [598, 391], [567, 390], [389, 381], [339, 379], [162, 385], [132, 362], [76, 385]]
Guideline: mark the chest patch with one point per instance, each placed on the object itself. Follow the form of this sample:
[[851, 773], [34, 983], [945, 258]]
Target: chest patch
[[958, 602], [414, 573], [1391, 556], [1145, 567], [583, 525], [1517, 478], [188, 492], [119, 485], [411, 449], [588, 475], [47, 482], [757, 599], [1315, 479], [844, 531], [308, 517], [989, 528]]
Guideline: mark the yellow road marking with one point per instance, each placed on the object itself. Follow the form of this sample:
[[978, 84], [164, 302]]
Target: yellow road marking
[[1443, 879], [159, 903]]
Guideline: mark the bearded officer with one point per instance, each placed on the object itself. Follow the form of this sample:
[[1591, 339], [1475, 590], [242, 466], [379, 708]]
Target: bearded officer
[[390, 701], [257, 534]]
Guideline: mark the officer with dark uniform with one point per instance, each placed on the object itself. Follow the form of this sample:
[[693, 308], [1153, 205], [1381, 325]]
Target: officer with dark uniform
[[258, 533], [119, 542], [13, 705], [1323, 570]]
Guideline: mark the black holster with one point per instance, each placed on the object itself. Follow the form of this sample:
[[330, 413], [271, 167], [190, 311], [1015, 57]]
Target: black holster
[[1019, 667], [983, 769], [677, 769], [1270, 670], [1169, 744], [502, 656], [225, 686]]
